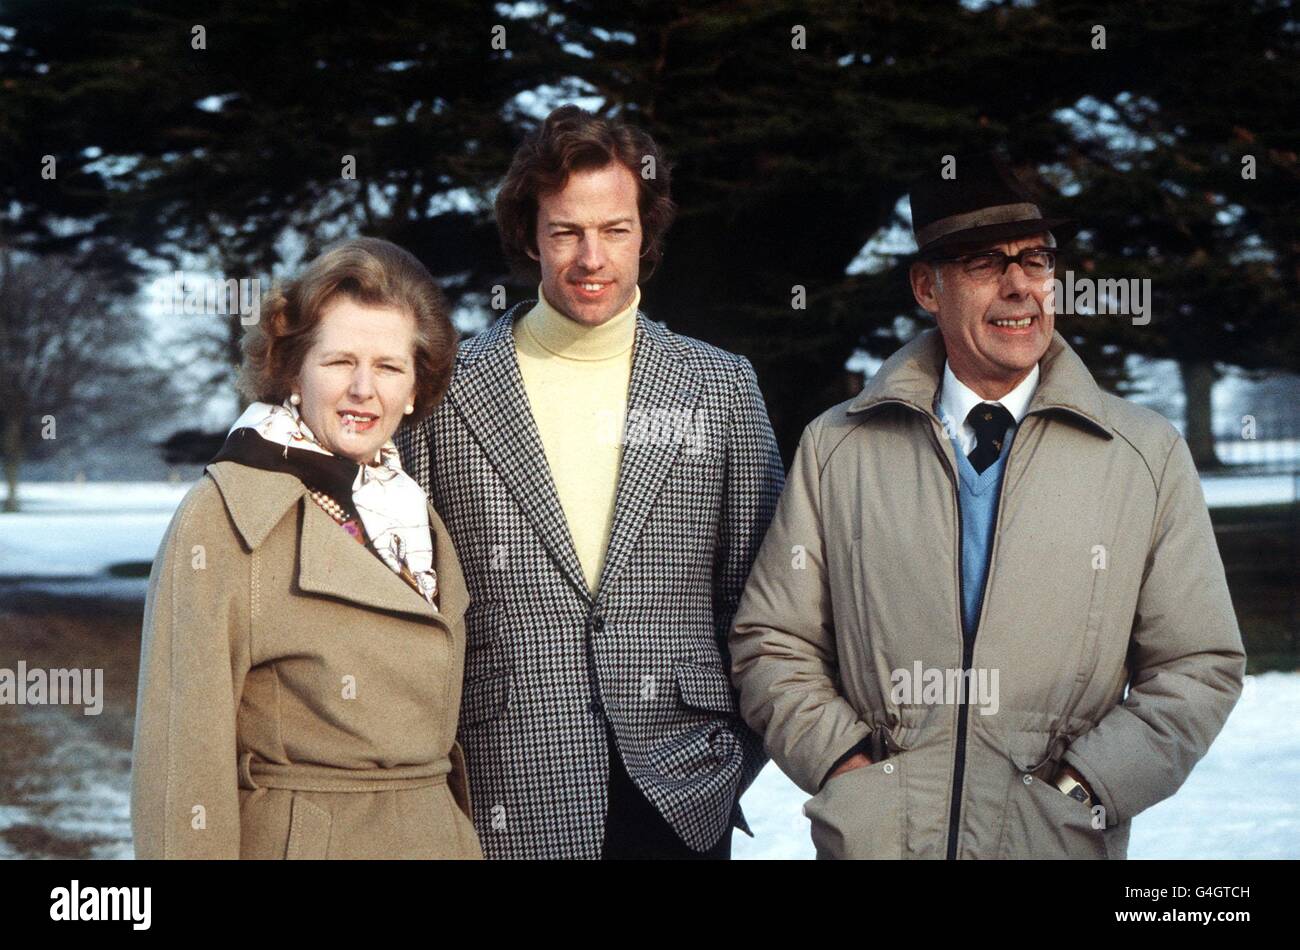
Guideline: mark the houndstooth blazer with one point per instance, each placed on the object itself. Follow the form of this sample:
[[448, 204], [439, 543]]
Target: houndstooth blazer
[[549, 664]]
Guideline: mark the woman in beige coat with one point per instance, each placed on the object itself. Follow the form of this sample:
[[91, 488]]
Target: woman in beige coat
[[304, 641]]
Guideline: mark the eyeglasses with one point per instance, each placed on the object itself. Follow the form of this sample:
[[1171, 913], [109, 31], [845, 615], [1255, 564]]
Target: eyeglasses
[[1034, 261]]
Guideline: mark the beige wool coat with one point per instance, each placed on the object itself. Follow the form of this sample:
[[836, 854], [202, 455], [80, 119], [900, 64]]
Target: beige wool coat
[[1106, 618], [297, 699]]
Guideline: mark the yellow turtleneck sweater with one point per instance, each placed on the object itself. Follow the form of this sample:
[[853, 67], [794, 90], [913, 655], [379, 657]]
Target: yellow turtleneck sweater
[[577, 378]]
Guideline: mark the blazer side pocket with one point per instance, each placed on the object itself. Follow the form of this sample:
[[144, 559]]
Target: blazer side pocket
[[1041, 821], [704, 687], [485, 699]]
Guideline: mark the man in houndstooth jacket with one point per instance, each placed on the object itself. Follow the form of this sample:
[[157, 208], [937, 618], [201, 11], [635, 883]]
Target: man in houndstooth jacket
[[607, 484]]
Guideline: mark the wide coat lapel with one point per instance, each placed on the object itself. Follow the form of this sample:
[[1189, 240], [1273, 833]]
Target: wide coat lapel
[[330, 561], [661, 385], [488, 393]]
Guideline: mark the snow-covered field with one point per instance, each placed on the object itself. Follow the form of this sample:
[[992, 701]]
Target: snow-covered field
[[1235, 491], [78, 790], [1239, 802], [66, 529]]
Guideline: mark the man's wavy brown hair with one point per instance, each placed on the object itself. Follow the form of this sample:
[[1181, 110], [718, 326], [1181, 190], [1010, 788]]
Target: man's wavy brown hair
[[371, 272], [572, 139]]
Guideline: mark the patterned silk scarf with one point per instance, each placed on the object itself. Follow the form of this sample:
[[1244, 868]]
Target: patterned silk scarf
[[391, 505]]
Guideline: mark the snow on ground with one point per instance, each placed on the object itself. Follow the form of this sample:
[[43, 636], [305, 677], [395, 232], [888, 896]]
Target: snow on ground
[[100, 497], [1239, 801], [77, 790], [1278, 452], [78, 529], [1234, 491]]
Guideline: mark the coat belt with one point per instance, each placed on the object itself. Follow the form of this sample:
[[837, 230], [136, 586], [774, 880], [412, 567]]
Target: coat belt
[[300, 777]]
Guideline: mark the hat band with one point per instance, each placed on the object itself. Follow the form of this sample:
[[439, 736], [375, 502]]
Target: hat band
[[998, 214]]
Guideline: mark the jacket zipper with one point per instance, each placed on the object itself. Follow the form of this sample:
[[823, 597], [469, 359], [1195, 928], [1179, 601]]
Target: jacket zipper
[[968, 645], [967, 653], [968, 649]]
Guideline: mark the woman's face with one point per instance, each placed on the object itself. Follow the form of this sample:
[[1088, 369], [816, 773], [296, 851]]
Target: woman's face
[[358, 377]]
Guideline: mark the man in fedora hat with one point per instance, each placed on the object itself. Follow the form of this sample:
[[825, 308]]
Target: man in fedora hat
[[989, 618]]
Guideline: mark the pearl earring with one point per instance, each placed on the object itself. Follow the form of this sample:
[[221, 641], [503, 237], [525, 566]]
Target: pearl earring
[[295, 399], [409, 409]]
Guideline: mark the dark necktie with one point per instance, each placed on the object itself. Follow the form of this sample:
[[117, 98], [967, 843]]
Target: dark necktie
[[990, 421]]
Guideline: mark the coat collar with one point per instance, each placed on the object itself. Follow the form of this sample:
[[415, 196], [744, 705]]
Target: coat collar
[[256, 499], [913, 375], [488, 393], [330, 561]]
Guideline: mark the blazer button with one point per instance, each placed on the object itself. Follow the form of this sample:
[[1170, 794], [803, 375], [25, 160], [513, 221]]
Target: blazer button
[[593, 707], [598, 624]]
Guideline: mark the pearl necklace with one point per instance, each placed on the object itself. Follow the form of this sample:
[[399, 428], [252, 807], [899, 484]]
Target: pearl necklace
[[331, 507]]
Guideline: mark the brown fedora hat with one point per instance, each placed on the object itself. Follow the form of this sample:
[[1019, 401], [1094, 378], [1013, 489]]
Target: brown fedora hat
[[983, 203]]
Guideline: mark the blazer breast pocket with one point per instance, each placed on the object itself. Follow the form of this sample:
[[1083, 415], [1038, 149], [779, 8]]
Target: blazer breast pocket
[[700, 461], [490, 615], [692, 491]]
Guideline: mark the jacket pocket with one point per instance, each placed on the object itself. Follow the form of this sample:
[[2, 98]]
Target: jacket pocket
[[859, 814], [699, 465], [309, 830], [485, 699], [1041, 821], [704, 687]]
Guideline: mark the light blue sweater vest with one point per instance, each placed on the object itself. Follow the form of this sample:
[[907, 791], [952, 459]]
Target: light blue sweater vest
[[977, 496]]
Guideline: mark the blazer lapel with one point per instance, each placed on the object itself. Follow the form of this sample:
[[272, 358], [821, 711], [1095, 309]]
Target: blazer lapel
[[488, 393], [660, 384]]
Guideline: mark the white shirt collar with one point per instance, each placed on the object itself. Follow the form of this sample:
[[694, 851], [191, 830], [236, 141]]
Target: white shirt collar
[[956, 400]]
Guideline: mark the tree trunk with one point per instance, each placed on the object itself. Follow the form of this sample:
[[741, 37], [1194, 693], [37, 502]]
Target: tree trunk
[[13, 450], [1198, 381]]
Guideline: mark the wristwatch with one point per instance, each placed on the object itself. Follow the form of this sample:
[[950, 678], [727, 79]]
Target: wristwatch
[[1073, 788]]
